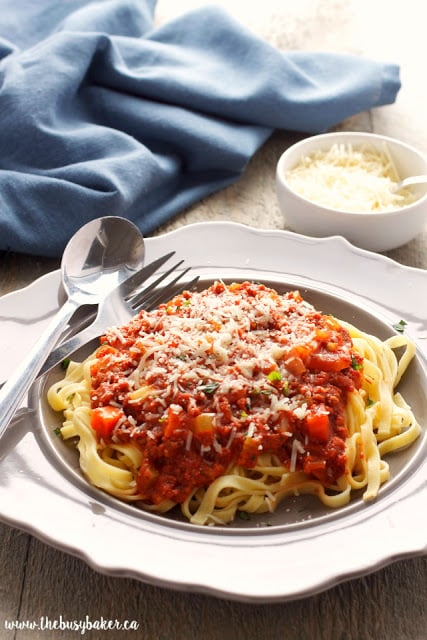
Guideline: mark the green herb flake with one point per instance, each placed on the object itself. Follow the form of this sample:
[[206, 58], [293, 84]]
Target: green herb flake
[[65, 363], [274, 375], [57, 431], [400, 326], [209, 388], [356, 365], [370, 402], [285, 388], [244, 515]]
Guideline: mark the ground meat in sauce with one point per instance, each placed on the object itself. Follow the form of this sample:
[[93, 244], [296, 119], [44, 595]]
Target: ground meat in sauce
[[231, 373]]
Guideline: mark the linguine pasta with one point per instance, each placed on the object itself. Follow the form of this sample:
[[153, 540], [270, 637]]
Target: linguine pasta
[[232, 399]]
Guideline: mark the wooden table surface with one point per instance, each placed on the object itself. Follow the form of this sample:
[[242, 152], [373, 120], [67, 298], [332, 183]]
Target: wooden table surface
[[37, 581]]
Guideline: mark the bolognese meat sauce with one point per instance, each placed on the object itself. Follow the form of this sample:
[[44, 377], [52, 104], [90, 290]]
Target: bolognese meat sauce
[[216, 378]]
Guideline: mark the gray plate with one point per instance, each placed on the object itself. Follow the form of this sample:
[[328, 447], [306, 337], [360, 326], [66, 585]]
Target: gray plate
[[296, 513]]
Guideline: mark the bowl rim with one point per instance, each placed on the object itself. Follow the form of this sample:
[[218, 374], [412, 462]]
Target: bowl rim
[[349, 134]]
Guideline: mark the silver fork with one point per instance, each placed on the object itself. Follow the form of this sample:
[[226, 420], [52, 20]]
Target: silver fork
[[122, 304]]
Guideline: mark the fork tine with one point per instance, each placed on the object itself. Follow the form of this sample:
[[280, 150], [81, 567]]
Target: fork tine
[[135, 281], [138, 294], [152, 298], [167, 292]]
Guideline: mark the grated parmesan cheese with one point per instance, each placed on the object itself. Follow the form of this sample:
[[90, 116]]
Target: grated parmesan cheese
[[358, 180], [296, 449], [232, 353]]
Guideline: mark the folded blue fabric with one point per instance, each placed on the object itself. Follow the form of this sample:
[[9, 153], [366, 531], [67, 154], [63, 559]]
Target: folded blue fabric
[[103, 114]]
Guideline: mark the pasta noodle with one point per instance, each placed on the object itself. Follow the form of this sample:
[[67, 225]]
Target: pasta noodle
[[231, 399]]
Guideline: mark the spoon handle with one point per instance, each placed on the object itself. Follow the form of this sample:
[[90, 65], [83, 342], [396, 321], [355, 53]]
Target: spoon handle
[[412, 180], [15, 389]]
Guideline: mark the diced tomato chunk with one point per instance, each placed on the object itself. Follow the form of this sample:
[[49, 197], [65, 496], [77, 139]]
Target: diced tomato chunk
[[104, 419], [315, 467], [203, 423], [104, 350], [249, 454], [329, 361], [318, 425], [147, 476], [175, 421], [295, 365]]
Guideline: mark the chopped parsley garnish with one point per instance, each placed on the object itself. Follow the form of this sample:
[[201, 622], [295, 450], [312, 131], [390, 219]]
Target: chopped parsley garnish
[[57, 431], [400, 326], [266, 392], [244, 515], [285, 387], [65, 363], [356, 365], [209, 388], [274, 375]]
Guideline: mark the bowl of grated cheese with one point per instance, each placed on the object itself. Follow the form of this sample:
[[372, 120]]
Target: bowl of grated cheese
[[344, 184]]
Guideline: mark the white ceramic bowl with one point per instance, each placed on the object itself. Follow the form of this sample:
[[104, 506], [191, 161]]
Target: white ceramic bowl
[[374, 231]]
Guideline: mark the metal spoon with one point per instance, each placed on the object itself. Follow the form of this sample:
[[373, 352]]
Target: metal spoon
[[97, 258], [408, 182]]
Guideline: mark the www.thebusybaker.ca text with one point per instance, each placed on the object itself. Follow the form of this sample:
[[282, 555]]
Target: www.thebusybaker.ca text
[[81, 626]]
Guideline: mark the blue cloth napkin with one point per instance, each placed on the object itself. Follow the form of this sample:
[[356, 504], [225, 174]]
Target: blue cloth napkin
[[101, 113]]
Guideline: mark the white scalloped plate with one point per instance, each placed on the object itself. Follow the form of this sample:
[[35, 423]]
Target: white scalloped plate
[[301, 552]]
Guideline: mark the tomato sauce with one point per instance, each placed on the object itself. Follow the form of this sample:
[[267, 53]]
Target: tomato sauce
[[217, 378]]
